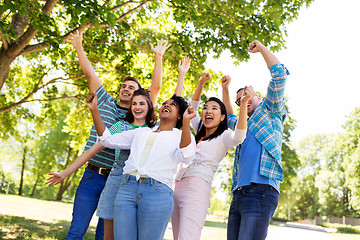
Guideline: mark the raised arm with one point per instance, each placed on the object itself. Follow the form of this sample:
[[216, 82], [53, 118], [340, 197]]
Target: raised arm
[[268, 56], [183, 68], [158, 51], [186, 133], [225, 82], [248, 93], [91, 102], [204, 77], [58, 177], [86, 67], [275, 95]]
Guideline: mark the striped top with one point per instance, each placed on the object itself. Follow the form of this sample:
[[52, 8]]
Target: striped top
[[121, 155], [110, 113]]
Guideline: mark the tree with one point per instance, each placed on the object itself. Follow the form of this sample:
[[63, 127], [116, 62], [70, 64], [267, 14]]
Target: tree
[[55, 148], [306, 197], [324, 178], [290, 163], [351, 163], [24, 151], [7, 183], [33, 32]]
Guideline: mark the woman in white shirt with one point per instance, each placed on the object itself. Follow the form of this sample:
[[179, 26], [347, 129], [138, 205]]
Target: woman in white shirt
[[193, 181], [144, 202], [140, 114]]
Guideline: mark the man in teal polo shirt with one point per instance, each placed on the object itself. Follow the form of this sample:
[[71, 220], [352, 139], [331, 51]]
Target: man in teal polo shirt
[[257, 165]]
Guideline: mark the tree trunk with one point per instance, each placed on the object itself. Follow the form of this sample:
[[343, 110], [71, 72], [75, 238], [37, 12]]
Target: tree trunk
[[71, 184], [34, 187], [5, 62], [22, 171], [62, 189], [8, 186], [66, 183]]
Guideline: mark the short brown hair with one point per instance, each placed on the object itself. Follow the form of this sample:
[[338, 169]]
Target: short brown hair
[[132, 79]]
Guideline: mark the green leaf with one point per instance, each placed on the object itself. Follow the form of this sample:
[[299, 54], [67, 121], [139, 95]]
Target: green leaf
[[110, 17]]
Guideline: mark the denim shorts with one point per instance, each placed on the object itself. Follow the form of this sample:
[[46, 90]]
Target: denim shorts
[[105, 208]]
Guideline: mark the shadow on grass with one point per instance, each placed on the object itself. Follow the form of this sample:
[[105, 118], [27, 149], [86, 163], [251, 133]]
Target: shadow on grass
[[13, 227], [215, 224]]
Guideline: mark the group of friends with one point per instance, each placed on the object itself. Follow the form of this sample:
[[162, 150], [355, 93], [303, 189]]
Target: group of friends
[[142, 172]]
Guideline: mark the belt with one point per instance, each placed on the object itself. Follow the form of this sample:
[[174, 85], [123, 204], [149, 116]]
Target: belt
[[254, 185], [99, 170], [141, 179]]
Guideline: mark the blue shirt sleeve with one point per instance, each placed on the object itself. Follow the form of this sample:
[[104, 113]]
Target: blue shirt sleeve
[[102, 95], [232, 121], [274, 99]]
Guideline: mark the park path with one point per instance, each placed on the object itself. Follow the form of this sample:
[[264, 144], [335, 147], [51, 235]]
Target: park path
[[295, 231]]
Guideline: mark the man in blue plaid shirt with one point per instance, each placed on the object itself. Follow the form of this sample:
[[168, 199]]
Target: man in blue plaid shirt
[[257, 165]]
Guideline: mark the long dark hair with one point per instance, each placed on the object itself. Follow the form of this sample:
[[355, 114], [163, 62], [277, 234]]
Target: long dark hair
[[150, 116], [223, 125], [181, 102]]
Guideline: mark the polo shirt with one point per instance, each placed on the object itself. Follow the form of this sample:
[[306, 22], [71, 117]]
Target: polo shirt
[[110, 113]]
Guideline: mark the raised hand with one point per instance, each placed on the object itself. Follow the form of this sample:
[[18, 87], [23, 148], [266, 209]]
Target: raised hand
[[255, 47], [225, 81], [91, 101], [75, 39], [204, 77], [189, 114], [248, 93], [184, 65], [56, 178], [160, 48]]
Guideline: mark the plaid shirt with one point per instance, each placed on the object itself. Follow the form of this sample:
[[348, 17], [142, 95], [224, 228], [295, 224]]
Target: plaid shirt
[[266, 123]]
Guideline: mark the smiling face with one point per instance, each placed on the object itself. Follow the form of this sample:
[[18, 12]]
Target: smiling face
[[127, 90], [139, 107], [252, 103], [211, 115], [169, 110]]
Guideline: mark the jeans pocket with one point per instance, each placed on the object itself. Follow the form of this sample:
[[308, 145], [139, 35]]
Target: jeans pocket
[[273, 199], [161, 187], [88, 174], [116, 171]]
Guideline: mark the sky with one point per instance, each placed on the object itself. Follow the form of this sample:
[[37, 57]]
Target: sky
[[322, 56]]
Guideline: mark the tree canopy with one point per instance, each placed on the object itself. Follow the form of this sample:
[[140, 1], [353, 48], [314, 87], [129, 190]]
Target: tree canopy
[[33, 33], [41, 80]]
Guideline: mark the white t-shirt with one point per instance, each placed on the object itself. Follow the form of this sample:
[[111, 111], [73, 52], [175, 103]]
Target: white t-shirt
[[163, 157], [209, 153]]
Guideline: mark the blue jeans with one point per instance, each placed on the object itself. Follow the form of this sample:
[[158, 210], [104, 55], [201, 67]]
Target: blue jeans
[[142, 209], [85, 203], [250, 212]]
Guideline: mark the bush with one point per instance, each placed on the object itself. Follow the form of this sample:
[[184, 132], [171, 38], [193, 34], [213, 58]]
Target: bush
[[279, 219], [341, 228], [351, 230]]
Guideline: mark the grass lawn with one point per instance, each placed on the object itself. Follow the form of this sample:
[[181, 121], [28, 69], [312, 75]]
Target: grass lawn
[[28, 218], [342, 236]]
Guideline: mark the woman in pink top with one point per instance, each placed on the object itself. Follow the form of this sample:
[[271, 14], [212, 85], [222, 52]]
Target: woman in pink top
[[193, 181]]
